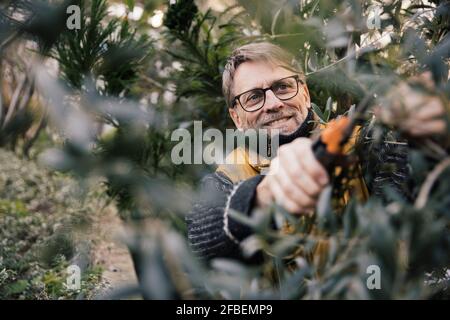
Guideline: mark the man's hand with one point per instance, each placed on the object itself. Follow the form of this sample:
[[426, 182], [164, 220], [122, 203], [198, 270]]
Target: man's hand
[[416, 113], [295, 179]]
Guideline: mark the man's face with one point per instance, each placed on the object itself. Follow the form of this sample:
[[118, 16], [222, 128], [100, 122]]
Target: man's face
[[285, 116]]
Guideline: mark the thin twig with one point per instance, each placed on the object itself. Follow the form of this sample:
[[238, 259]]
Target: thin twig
[[8, 40], [365, 49], [266, 36], [370, 47], [33, 133], [284, 35], [396, 142], [27, 95], [15, 100], [1, 97], [429, 182], [155, 83]]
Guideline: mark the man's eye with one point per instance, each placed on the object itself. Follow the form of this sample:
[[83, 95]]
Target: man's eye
[[282, 86], [253, 97]]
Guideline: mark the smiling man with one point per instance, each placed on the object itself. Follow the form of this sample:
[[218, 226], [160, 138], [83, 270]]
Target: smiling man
[[263, 88]]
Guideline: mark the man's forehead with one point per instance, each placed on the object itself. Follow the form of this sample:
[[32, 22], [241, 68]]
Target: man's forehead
[[257, 74]]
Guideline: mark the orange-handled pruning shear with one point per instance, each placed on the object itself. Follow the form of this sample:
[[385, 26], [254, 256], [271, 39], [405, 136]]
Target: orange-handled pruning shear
[[330, 144]]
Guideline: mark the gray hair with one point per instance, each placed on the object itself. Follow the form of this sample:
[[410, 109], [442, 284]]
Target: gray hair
[[260, 51]]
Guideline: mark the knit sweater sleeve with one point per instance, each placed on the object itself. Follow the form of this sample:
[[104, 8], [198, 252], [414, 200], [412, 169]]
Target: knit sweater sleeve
[[385, 164], [212, 232]]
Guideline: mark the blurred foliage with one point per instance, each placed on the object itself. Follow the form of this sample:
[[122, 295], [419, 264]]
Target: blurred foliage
[[27, 29], [113, 76], [107, 51], [42, 218], [202, 56]]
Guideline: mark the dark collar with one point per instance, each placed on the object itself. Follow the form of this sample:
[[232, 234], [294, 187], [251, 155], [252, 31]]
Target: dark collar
[[304, 130]]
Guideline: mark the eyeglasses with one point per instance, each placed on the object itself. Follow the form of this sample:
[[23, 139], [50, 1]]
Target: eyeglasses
[[253, 100]]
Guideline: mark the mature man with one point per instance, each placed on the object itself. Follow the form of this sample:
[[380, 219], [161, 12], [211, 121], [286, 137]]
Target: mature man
[[263, 89]]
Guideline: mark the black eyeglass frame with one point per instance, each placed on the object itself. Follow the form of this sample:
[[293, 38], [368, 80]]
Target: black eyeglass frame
[[296, 77]]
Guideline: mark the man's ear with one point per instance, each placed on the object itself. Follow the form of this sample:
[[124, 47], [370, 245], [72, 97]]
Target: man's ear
[[306, 93], [235, 117]]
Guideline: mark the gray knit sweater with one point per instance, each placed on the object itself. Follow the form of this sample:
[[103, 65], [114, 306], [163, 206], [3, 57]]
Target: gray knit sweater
[[212, 232]]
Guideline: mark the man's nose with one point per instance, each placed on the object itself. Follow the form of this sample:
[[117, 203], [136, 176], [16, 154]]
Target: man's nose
[[272, 102]]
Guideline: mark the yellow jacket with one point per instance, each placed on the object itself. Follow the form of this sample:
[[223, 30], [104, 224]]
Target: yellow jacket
[[238, 167]]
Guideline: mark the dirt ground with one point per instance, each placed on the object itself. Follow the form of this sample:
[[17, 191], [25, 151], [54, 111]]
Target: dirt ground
[[108, 251]]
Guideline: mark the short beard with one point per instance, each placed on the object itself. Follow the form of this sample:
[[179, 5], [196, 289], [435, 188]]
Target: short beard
[[268, 117], [304, 130]]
